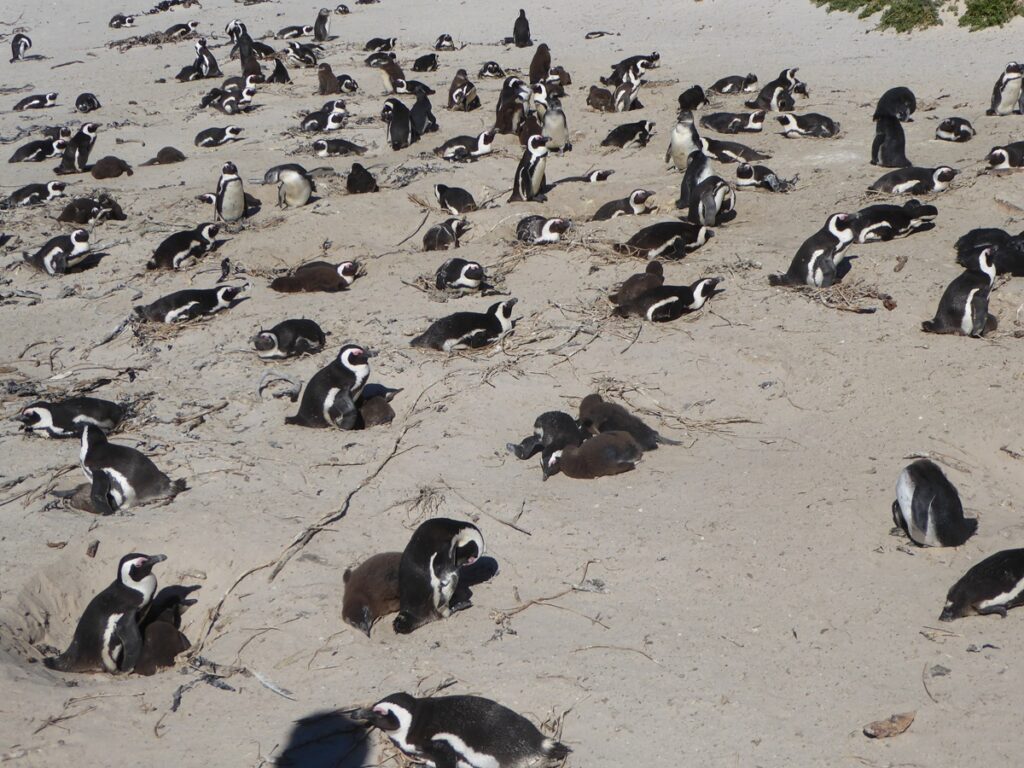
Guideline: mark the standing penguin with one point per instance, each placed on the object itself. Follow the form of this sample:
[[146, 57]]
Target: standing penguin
[[928, 509], [400, 132], [540, 66], [698, 170], [555, 126], [463, 731], [889, 147], [1007, 91], [294, 184], [428, 574], [331, 395], [230, 196], [20, 44], [422, 116], [205, 63], [322, 25], [107, 638], [521, 31], [528, 183], [963, 308], [684, 142], [76, 153]]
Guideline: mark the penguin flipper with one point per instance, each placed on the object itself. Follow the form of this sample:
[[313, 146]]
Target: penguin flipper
[[442, 754], [343, 412], [99, 496], [128, 634]]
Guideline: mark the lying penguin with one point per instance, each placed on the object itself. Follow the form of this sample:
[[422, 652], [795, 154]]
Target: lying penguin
[[468, 330]]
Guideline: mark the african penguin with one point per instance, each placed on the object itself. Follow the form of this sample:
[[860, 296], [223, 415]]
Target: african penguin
[[635, 204], [635, 286], [665, 303], [33, 194], [692, 98], [529, 180], [698, 170], [331, 396], [76, 153], [295, 186], [963, 308], [915, 180], [399, 124], [182, 246], [808, 124], [36, 101], [215, 137], [428, 573], [422, 116], [445, 235], [188, 304], [459, 274], [735, 122], [730, 151], [816, 261], [371, 590], [428, 62], [684, 142], [1007, 91], [468, 330], [66, 418], [87, 102], [670, 239], [994, 585], [37, 151], [20, 44], [336, 148], [318, 277], [884, 222], [360, 181], [107, 637], [609, 453], [491, 69], [735, 84], [1007, 250], [289, 338], [762, 177], [540, 230], [110, 167], [467, 148], [129, 476], [87, 210], [889, 146], [230, 195], [521, 31], [955, 129], [898, 102], [712, 203], [455, 200], [322, 25], [1006, 157], [639, 133], [552, 430], [60, 253], [928, 509]]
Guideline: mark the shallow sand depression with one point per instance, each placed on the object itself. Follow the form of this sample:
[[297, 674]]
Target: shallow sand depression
[[736, 600]]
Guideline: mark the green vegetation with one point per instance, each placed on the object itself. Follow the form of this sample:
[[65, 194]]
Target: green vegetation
[[908, 15]]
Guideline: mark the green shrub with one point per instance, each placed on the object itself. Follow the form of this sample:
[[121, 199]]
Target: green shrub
[[908, 15], [989, 13]]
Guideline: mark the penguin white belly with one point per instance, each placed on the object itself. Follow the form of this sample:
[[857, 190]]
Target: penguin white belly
[[668, 244], [537, 177], [467, 755], [110, 650], [1009, 97], [967, 321], [906, 186], [181, 312], [875, 232], [1005, 597], [232, 205], [122, 491], [329, 399], [658, 305]]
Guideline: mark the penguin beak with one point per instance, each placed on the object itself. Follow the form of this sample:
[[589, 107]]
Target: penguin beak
[[152, 560], [371, 353]]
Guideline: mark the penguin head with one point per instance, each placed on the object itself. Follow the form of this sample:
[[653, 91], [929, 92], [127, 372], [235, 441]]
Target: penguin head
[[232, 132], [342, 10], [944, 175], [745, 172], [336, 120], [92, 437], [788, 122], [31, 416], [347, 83], [503, 311], [228, 294], [704, 234], [1013, 71], [387, 112], [228, 170], [348, 271], [200, 44], [353, 356], [59, 145], [55, 188], [392, 714], [89, 129], [135, 571], [79, 237], [986, 262], [655, 268], [705, 288], [320, 147], [467, 546], [640, 196], [998, 157], [207, 197], [600, 175], [265, 341], [233, 29], [556, 227], [458, 226], [209, 232], [537, 144], [471, 274], [193, 26], [486, 138], [842, 226]]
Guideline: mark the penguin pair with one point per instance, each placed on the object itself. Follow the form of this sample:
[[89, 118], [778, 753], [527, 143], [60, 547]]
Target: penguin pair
[[468, 330], [318, 277], [445, 235], [638, 133], [92, 210], [67, 418], [289, 338], [186, 305], [735, 122], [810, 124], [668, 239], [762, 177], [332, 395], [75, 158], [428, 572], [178, 248], [711, 202], [467, 148], [777, 95], [884, 222], [963, 308], [928, 509], [60, 253], [915, 181], [1007, 251], [330, 117], [622, 68], [818, 261], [540, 230], [462, 731], [121, 477], [34, 194], [634, 204], [660, 303]]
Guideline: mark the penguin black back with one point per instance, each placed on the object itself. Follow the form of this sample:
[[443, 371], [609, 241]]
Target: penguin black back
[[928, 509], [598, 415], [994, 585]]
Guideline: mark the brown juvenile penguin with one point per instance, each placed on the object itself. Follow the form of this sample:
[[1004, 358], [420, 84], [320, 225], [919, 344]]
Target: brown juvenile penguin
[[162, 639], [637, 285], [371, 590], [529, 127], [601, 99], [609, 453], [376, 412], [318, 277], [540, 67], [360, 181], [110, 167], [166, 156], [327, 79], [598, 416]]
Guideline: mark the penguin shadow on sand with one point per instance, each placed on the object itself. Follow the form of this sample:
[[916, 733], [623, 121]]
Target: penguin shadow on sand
[[327, 739], [480, 572]]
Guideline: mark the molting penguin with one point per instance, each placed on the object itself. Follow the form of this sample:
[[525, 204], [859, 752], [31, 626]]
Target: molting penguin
[[670, 239], [455, 200], [428, 574], [540, 65], [181, 246], [188, 304], [809, 124], [521, 31], [634, 204], [460, 275], [601, 99], [889, 146], [639, 132], [121, 476], [817, 260], [468, 330], [331, 395], [462, 731], [166, 156], [539, 230], [1007, 91], [289, 338], [318, 277], [1006, 157], [963, 308], [635, 286], [955, 129], [445, 235], [110, 167], [529, 180], [915, 180], [735, 122], [107, 638], [928, 509], [597, 415], [669, 302], [60, 253], [67, 418], [994, 585], [462, 95], [609, 453], [371, 590], [230, 195]]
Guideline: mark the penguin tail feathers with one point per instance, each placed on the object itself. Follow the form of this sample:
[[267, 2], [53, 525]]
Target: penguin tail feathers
[[928, 326], [658, 438], [60, 663], [151, 264], [782, 280], [555, 750], [178, 486]]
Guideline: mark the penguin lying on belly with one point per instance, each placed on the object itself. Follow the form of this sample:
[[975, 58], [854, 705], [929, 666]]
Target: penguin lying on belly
[[67, 418], [552, 430], [597, 416], [468, 330], [318, 276], [994, 585], [609, 453]]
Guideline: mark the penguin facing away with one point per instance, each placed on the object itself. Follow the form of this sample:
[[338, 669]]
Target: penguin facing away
[[371, 590], [928, 509], [598, 415], [289, 338], [107, 637]]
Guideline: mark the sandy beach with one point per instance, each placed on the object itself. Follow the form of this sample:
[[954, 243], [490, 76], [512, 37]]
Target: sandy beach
[[737, 600]]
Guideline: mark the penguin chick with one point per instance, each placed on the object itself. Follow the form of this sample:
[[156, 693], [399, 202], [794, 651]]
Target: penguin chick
[[371, 590], [598, 416], [609, 453]]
